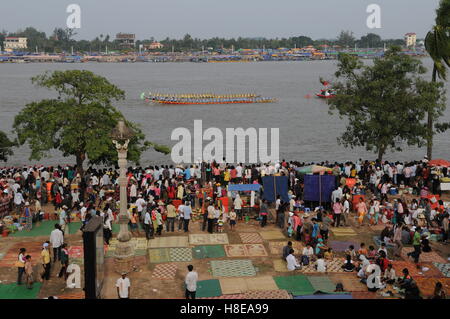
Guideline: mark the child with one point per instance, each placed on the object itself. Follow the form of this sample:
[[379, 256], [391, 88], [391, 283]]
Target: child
[[372, 253], [321, 265], [220, 223], [362, 250], [329, 254], [348, 266], [351, 252], [290, 230], [383, 248]]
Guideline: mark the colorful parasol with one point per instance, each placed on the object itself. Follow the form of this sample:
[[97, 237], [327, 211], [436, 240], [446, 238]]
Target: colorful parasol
[[439, 162], [312, 169]]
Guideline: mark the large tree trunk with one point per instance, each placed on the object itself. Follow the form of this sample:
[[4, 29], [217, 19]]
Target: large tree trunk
[[381, 151], [430, 132], [80, 157]]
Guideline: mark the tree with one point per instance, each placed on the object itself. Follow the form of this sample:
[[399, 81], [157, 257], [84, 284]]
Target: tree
[[346, 39], [5, 147], [79, 121], [371, 40], [437, 44], [384, 104]]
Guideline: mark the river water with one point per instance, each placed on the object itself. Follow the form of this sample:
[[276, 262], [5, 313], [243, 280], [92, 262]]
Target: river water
[[307, 131]]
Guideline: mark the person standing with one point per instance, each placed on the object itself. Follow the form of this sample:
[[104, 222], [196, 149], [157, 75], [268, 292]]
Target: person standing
[[56, 240], [20, 265], [123, 285], [238, 206], [187, 211], [346, 211], [107, 229], [232, 216], [191, 282], [45, 258], [211, 213], [398, 240], [171, 215], [362, 210], [28, 272], [263, 212], [337, 211], [416, 244], [64, 261], [147, 224]]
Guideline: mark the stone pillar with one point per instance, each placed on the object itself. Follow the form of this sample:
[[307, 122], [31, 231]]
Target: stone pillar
[[124, 253]]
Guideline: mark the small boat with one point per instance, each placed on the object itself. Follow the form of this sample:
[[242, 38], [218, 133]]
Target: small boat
[[326, 94], [199, 99]]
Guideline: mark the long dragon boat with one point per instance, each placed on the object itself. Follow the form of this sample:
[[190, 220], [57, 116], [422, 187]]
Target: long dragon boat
[[186, 99]]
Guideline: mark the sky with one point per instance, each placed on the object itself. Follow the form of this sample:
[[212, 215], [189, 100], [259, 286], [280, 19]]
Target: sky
[[222, 18]]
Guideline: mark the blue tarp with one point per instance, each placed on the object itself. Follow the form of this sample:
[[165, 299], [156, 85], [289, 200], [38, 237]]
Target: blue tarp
[[319, 187], [244, 187], [327, 296], [274, 186]]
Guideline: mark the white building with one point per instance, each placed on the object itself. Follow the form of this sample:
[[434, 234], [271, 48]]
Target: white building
[[14, 43], [410, 39]]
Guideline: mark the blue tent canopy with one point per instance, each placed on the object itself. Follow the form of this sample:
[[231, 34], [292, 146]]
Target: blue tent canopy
[[244, 187]]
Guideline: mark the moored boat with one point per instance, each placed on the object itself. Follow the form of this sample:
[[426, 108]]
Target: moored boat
[[195, 99]]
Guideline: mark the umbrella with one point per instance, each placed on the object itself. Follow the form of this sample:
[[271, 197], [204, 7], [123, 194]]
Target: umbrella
[[313, 169], [439, 162]]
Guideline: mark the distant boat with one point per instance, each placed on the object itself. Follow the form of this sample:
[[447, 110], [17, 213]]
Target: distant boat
[[191, 99], [326, 94]]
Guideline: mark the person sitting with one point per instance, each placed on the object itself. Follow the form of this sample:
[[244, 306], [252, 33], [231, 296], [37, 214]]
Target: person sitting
[[439, 292], [362, 250], [363, 268], [348, 265], [292, 263], [321, 264], [351, 251], [329, 255], [426, 245], [320, 247], [382, 261], [389, 276], [382, 249], [287, 249], [405, 282], [372, 253], [307, 255]]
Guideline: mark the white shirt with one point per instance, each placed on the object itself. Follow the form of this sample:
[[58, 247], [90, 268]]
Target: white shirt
[[83, 213], [321, 265], [123, 285], [291, 262], [133, 190], [308, 251], [191, 281], [56, 238], [139, 203]]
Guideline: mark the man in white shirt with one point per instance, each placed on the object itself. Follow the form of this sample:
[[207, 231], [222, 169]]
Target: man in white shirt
[[140, 203], [292, 263], [123, 287], [191, 282], [83, 211], [56, 240], [336, 194]]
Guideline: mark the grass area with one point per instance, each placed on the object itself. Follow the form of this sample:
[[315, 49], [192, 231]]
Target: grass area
[[39, 229]]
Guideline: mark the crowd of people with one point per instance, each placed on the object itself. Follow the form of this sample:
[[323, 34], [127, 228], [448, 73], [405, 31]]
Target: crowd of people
[[404, 197]]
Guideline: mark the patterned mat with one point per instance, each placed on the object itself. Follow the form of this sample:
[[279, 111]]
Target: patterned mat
[[276, 247], [432, 272], [210, 251], [171, 241], [208, 239], [270, 294], [322, 283], [272, 235], [251, 238], [279, 265], [340, 246], [159, 255], [232, 268], [208, 288], [263, 283], [343, 231], [164, 271], [180, 254], [425, 257], [443, 268], [334, 265], [427, 285], [247, 250], [349, 281], [76, 252]]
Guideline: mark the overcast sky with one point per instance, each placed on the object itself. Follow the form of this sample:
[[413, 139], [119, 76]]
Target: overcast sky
[[223, 18]]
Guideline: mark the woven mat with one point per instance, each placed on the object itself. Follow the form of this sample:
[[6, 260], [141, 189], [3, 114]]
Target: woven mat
[[211, 251], [159, 255], [427, 285], [343, 231], [262, 283], [269, 294], [208, 288], [164, 271], [227, 296], [232, 268], [171, 241], [443, 268], [340, 246], [433, 272], [233, 285], [251, 238], [180, 254], [276, 247], [208, 239], [247, 250], [279, 265], [334, 265], [76, 252], [432, 256], [297, 285], [364, 295], [272, 235], [322, 283], [349, 281]]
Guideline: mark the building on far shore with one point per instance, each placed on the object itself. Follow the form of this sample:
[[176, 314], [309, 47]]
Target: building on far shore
[[154, 46], [410, 39], [14, 43], [126, 40]]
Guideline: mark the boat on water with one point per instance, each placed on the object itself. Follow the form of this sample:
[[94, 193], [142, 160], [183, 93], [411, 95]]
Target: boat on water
[[196, 99], [326, 94]]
